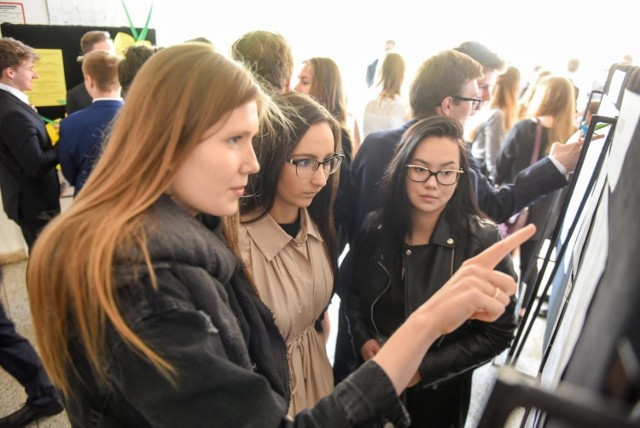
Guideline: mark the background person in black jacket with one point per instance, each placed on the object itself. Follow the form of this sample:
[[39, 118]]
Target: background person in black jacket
[[28, 179]]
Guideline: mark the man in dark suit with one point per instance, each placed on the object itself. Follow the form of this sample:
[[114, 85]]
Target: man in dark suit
[[28, 179], [82, 133], [78, 97], [438, 90]]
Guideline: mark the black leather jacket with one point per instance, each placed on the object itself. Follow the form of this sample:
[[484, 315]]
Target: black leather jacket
[[472, 344]]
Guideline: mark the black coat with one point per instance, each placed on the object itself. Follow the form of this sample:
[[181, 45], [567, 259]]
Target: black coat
[[28, 178], [77, 98], [515, 156], [450, 362], [230, 360]]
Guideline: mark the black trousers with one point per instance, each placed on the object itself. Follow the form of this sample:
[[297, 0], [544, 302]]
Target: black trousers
[[31, 229], [345, 360], [21, 361]]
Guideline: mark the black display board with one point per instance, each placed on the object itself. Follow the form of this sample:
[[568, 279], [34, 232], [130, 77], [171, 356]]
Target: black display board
[[67, 38]]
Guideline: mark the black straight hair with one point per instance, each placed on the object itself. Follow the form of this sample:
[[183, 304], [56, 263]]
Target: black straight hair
[[461, 208]]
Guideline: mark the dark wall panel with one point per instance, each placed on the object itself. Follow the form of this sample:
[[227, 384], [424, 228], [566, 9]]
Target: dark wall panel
[[67, 38]]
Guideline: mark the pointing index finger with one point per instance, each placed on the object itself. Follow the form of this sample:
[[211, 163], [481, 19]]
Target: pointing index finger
[[490, 257]]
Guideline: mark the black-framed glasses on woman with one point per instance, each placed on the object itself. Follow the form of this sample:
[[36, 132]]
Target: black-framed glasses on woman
[[305, 168], [475, 102], [420, 174]]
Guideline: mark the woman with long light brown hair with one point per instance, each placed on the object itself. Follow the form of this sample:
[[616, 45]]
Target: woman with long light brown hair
[[143, 314], [320, 78], [387, 110]]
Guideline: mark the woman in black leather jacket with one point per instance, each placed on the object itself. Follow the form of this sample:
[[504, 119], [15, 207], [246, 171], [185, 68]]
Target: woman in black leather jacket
[[429, 226], [143, 314]]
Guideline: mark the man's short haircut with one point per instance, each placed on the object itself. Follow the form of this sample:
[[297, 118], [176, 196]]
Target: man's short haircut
[[134, 57], [13, 52], [443, 75], [482, 54], [268, 56], [90, 38], [102, 66]]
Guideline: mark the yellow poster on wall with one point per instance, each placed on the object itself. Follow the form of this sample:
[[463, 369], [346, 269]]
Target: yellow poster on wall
[[49, 89]]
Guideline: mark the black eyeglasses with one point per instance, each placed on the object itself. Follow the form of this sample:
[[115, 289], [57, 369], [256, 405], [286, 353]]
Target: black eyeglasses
[[475, 102], [305, 168], [420, 174]]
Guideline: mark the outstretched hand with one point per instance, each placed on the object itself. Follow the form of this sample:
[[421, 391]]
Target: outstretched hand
[[569, 153], [476, 291]]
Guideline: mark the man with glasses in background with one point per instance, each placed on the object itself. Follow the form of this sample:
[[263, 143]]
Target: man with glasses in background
[[446, 84], [492, 66]]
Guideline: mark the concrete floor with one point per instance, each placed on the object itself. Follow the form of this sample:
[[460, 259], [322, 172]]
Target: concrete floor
[[15, 299]]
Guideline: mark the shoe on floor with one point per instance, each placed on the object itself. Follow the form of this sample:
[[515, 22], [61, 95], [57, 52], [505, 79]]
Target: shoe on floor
[[28, 414]]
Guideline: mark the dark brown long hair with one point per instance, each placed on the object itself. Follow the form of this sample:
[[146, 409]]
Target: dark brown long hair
[[327, 89], [274, 147]]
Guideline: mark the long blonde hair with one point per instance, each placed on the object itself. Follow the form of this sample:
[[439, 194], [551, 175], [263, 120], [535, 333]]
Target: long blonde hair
[[179, 93], [555, 97]]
